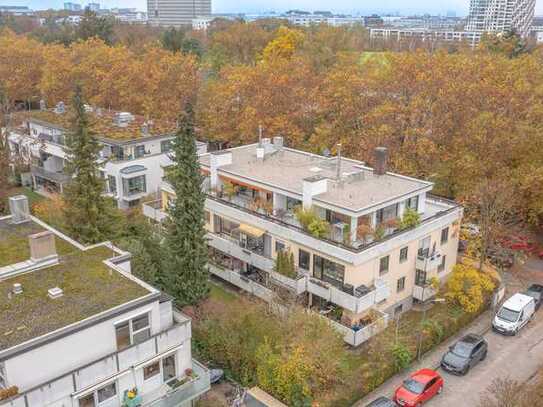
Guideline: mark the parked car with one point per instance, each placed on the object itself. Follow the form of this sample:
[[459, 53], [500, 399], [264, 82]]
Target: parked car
[[382, 402], [465, 354], [536, 292], [514, 314], [421, 386]]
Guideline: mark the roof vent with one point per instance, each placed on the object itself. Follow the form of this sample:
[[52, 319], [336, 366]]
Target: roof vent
[[17, 289], [55, 292], [60, 108], [18, 207], [380, 166]]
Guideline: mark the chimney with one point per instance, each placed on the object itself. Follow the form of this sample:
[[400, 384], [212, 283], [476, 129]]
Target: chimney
[[380, 166], [54, 293], [338, 166], [42, 246], [218, 159], [18, 207]]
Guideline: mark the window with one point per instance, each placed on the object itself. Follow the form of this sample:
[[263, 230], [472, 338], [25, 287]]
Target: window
[[383, 265], [412, 203], [223, 225], [168, 368], [420, 278], [398, 309], [279, 246], [400, 285], [139, 151], [165, 146], [328, 271], [445, 235], [135, 185], [441, 267], [403, 254], [384, 214], [151, 370], [424, 247], [106, 392], [304, 259], [207, 216], [134, 331], [112, 184], [87, 401]]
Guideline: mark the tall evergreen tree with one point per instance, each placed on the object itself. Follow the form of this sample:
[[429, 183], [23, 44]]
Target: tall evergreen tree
[[184, 272], [4, 153], [90, 217]]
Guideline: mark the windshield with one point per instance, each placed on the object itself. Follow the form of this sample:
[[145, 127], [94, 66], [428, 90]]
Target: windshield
[[461, 349], [413, 386], [508, 315]]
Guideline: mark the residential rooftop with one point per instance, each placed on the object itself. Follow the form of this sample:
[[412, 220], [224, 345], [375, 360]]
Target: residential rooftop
[[102, 124], [89, 286], [282, 168]]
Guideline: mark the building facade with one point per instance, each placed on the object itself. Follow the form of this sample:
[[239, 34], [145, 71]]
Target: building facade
[[177, 13], [354, 263], [470, 38], [134, 151], [79, 330], [72, 6], [499, 16]]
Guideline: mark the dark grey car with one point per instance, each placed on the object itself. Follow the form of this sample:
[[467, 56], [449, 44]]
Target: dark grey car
[[382, 402], [536, 292], [465, 354]]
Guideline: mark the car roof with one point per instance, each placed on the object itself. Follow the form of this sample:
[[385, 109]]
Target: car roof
[[536, 287], [471, 339], [517, 302], [424, 375]]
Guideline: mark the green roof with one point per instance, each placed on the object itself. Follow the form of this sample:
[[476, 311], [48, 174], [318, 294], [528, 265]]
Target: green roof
[[89, 287]]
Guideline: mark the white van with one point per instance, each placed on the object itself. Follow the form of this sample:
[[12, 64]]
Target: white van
[[514, 314]]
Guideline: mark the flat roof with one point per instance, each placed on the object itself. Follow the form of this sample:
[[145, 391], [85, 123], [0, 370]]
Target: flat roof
[[89, 287], [286, 168], [101, 124]]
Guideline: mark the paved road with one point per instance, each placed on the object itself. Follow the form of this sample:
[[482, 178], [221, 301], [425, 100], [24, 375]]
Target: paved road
[[518, 357]]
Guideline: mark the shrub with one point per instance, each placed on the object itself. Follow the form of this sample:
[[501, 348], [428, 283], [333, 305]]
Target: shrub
[[311, 222], [229, 189], [51, 211], [402, 356], [410, 219], [284, 264], [8, 392], [468, 288]]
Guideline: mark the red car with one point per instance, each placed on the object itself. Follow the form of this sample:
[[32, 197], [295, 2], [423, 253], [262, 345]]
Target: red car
[[419, 388]]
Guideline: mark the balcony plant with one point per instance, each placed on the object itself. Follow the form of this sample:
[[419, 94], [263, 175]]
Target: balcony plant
[[8, 392], [284, 264], [311, 222], [379, 232], [364, 232], [229, 189], [410, 219]]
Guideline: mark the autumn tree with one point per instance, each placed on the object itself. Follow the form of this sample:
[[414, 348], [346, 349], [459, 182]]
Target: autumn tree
[[4, 152], [284, 44], [184, 273], [468, 288], [94, 26]]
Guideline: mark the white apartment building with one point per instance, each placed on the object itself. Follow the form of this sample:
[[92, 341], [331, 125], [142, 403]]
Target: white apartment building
[[362, 269], [134, 151], [177, 13], [499, 16], [471, 38], [79, 330]]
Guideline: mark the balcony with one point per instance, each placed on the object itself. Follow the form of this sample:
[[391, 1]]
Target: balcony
[[57, 177], [423, 292], [232, 247], [428, 262], [153, 210], [361, 301], [184, 393], [356, 336], [245, 283]]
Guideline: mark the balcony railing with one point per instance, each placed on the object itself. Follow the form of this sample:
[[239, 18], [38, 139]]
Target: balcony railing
[[198, 385], [423, 292], [153, 210], [245, 283], [58, 177], [428, 262]]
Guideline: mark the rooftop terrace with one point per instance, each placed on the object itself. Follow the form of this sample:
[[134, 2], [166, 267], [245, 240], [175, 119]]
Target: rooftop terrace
[[102, 124], [286, 169], [89, 286]]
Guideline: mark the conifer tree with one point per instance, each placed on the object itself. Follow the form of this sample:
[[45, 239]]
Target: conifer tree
[[89, 216], [184, 273]]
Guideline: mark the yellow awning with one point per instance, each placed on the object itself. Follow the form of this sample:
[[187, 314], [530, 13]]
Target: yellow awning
[[251, 230]]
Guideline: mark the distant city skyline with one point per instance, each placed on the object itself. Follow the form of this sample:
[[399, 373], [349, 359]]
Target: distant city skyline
[[256, 6]]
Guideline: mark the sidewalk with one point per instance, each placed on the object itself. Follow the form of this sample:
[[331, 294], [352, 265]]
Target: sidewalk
[[431, 359]]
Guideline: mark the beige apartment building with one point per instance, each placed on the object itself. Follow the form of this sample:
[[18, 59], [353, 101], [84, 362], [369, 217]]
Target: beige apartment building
[[361, 269]]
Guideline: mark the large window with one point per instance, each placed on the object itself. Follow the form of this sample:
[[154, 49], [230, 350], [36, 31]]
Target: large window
[[165, 146], [139, 151], [112, 184], [328, 271], [403, 254], [384, 263], [412, 203], [441, 266], [445, 235], [135, 185], [99, 396], [304, 259], [151, 370], [390, 212], [168, 368], [400, 285], [224, 225], [420, 278], [133, 331], [280, 246]]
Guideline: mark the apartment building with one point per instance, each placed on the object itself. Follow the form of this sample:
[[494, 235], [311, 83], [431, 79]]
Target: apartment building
[[471, 38], [134, 150], [177, 13], [79, 330], [498, 16], [358, 269]]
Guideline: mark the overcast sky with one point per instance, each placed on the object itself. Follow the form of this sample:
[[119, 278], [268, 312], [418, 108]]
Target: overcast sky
[[346, 6]]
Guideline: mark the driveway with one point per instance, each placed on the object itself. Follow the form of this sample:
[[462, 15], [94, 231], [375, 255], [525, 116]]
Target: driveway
[[518, 357]]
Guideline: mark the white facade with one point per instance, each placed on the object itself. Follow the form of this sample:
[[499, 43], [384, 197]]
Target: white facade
[[177, 13], [143, 344], [499, 16], [471, 38], [131, 169]]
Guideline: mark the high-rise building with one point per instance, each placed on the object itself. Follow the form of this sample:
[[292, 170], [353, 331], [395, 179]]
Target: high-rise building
[[177, 12], [72, 6], [93, 6], [498, 16]]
